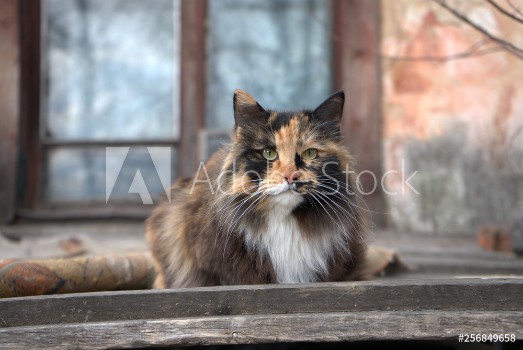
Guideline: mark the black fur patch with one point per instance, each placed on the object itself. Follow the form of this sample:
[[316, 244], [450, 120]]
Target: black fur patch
[[282, 119], [300, 164]]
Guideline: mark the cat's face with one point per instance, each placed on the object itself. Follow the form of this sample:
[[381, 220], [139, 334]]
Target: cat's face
[[283, 157]]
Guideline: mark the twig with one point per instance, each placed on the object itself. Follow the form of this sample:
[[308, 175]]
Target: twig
[[470, 53], [511, 48], [503, 11], [515, 8]]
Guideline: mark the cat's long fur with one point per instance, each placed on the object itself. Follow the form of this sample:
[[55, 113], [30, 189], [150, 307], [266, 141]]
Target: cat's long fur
[[297, 221]]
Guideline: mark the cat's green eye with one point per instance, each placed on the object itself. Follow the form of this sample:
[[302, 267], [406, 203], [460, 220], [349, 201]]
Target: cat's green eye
[[309, 154], [270, 153]]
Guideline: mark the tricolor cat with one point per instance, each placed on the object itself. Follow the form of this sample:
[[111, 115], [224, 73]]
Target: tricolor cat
[[278, 205]]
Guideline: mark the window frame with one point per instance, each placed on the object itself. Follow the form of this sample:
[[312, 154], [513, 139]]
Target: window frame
[[34, 143], [355, 40]]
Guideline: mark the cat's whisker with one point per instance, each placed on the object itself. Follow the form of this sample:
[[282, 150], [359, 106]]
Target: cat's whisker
[[339, 195], [340, 210], [352, 206], [232, 205], [356, 194], [216, 213], [343, 208], [232, 211], [242, 202], [360, 210], [313, 203], [346, 233], [245, 211], [226, 207], [237, 206], [326, 211], [236, 222]]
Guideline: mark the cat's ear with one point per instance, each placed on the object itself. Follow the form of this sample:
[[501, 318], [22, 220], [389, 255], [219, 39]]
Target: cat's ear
[[246, 109], [331, 108]]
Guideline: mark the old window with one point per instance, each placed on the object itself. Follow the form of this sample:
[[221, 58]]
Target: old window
[[111, 79], [104, 80]]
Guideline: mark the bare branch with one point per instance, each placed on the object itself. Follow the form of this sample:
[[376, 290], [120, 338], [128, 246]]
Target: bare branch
[[511, 48], [503, 11], [473, 51], [515, 8]]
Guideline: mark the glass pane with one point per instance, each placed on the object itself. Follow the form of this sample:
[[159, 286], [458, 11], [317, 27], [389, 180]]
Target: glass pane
[[111, 174], [112, 69], [278, 50]]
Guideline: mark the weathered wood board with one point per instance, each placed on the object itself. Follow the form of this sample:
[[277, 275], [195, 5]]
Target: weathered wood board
[[377, 310], [326, 327]]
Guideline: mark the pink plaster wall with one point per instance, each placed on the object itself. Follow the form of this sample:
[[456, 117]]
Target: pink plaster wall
[[458, 123]]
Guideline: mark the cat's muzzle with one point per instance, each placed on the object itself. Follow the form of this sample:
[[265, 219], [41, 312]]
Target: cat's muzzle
[[298, 187]]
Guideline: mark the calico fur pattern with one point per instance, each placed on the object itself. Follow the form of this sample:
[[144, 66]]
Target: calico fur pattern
[[244, 219]]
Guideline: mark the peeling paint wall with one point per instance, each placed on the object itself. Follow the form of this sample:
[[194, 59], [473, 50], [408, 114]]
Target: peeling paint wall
[[458, 123]]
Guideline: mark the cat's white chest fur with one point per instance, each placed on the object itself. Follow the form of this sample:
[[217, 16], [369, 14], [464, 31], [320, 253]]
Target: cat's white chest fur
[[296, 258]]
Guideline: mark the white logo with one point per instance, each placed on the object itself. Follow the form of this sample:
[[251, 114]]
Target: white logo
[[116, 158]]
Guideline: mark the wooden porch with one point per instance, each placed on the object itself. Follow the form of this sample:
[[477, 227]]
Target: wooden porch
[[447, 286]]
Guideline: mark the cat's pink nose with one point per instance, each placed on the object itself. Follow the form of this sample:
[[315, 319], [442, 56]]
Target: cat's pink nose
[[292, 177]]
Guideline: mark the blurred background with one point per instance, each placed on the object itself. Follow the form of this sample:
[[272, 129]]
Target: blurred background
[[434, 111]]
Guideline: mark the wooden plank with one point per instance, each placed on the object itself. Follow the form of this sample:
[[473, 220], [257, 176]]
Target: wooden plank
[[404, 295], [9, 106], [327, 327], [463, 266], [450, 255], [357, 72]]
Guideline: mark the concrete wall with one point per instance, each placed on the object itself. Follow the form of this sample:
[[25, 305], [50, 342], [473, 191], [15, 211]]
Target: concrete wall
[[458, 123]]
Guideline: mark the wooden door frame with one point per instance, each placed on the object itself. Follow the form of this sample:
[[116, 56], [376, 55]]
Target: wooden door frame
[[10, 83], [193, 63], [357, 71]]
